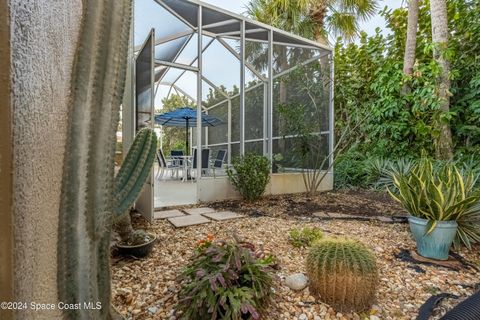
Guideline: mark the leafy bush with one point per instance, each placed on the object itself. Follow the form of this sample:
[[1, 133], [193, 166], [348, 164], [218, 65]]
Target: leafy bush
[[226, 280], [369, 81], [250, 175], [350, 170], [305, 237], [441, 192], [343, 273]]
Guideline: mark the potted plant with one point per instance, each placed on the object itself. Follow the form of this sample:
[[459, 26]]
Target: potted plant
[[129, 181], [443, 206]]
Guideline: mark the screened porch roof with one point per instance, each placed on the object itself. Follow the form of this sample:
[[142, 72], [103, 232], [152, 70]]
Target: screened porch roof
[[181, 17], [176, 39]]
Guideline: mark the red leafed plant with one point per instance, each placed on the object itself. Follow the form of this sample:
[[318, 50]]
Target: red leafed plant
[[226, 280]]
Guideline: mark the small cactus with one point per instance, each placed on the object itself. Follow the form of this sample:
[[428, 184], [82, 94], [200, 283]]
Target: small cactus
[[135, 170], [343, 273], [131, 178]]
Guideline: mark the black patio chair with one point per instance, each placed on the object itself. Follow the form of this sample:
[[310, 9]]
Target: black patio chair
[[205, 161], [166, 164], [218, 162]]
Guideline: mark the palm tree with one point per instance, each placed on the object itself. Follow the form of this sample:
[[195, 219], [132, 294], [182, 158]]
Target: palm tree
[[314, 18], [411, 43], [438, 12]]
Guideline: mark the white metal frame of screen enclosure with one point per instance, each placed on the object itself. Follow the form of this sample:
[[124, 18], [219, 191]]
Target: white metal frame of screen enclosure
[[192, 37]]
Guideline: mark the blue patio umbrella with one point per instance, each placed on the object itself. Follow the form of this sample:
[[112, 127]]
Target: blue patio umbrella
[[186, 117]]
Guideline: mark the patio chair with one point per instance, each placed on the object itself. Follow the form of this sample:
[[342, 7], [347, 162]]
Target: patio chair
[[205, 161], [177, 157], [217, 163], [166, 164]]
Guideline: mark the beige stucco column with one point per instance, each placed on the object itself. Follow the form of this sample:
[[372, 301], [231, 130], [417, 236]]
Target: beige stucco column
[[41, 42], [6, 157]]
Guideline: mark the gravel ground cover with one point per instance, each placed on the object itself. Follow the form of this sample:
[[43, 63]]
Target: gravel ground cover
[[147, 288]]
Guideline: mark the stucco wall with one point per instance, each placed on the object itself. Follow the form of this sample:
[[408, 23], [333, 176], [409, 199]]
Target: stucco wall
[[6, 157], [220, 188], [43, 40]]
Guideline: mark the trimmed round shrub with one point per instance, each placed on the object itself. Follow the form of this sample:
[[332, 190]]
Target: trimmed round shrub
[[343, 273], [250, 175]]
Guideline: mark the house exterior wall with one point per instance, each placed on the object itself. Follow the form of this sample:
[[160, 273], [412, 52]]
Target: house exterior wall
[[6, 158], [220, 188], [44, 37]]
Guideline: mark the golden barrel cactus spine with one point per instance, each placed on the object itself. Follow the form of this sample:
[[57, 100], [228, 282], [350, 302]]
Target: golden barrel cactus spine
[[343, 273]]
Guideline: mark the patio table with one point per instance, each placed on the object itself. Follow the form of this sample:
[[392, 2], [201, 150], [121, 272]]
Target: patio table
[[186, 162]]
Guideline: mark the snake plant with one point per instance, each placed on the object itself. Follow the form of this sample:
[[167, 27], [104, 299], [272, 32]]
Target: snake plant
[[441, 193]]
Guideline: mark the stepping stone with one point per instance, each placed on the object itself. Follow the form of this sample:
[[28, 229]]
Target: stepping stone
[[188, 220], [199, 210], [334, 215], [220, 216], [167, 214], [384, 219], [322, 215]]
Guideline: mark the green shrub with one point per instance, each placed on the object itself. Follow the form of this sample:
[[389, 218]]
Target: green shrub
[[304, 237], [441, 192], [350, 170], [343, 273], [250, 175], [226, 280]]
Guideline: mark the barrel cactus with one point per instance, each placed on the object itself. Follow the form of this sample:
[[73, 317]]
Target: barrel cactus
[[343, 273], [130, 179]]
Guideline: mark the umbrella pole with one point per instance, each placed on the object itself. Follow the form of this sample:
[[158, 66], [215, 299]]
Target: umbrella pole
[[187, 152]]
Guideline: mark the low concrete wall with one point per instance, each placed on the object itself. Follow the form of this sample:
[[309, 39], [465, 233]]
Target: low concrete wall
[[219, 188]]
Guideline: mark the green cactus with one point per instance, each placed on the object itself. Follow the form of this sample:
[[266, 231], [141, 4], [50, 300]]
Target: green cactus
[[343, 273], [85, 216], [135, 169], [130, 180]]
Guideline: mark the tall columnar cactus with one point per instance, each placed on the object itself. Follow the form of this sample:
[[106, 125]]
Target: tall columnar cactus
[[343, 273], [85, 217], [131, 178]]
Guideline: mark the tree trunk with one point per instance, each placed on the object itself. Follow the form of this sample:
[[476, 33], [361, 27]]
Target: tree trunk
[[438, 11], [411, 43], [124, 227], [318, 12], [283, 97]]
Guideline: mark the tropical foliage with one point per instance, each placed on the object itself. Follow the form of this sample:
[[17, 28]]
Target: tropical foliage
[[369, 81], [226, 280], [313, 18]]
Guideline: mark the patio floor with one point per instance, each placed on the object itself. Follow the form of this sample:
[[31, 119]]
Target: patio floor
[[173, 192]]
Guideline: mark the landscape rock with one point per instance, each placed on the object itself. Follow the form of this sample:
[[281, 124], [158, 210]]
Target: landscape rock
[[297, 281]]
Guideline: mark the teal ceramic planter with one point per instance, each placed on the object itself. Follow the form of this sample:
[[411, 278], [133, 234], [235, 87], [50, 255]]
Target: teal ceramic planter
[[437, 243]]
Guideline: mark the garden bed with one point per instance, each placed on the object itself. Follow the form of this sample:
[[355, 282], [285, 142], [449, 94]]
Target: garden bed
[[352, 202], [147, 288]]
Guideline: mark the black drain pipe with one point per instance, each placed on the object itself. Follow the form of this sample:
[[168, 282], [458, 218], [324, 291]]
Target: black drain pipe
[[469, 309]]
